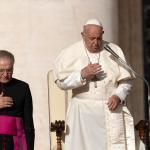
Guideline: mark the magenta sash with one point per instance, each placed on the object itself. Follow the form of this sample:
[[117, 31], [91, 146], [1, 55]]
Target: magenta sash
[[14, 126]]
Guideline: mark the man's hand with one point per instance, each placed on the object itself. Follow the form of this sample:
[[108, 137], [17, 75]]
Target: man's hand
[[5, 101], [90, 71], [113, 102]]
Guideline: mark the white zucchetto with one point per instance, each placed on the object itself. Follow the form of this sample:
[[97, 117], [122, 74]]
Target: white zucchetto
[[94, 22]]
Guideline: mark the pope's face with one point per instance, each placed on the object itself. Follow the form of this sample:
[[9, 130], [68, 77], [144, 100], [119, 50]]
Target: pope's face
[[92, 37], [6, 70]]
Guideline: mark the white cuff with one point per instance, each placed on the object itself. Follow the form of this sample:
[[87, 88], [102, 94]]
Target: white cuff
[[123, 91], [73, 81]]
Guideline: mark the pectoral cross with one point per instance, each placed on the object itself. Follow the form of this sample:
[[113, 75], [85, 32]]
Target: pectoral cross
[[95, 84], [95, 79]]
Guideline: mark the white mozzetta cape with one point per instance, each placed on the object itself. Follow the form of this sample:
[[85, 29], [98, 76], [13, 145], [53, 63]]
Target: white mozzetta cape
[[74, 58]]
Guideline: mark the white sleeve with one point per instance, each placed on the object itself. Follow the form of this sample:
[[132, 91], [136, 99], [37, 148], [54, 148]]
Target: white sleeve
[[123, 90], [73, 81]]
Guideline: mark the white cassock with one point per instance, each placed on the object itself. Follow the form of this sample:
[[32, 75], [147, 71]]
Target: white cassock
[[91, 125]]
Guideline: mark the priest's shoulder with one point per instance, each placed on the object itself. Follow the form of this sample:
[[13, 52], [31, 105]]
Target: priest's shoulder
[[117, 49], [71, 52], [73, 48], [19, 82]]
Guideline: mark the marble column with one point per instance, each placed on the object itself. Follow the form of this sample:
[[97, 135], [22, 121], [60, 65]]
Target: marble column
[[131, 40]]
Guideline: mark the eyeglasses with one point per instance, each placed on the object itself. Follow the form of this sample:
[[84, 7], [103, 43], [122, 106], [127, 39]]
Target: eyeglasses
[[6, 70]]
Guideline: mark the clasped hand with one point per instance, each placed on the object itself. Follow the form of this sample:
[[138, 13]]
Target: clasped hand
[[90, 71], [5, 101]]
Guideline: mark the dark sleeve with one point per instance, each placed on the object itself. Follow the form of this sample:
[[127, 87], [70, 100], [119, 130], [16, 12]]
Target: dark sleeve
[[28, 119]]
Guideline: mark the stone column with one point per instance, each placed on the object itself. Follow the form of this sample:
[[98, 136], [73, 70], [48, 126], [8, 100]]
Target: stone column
[[130, 39]]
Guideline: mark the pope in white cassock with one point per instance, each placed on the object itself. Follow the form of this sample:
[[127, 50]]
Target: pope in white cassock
[[97, 117]]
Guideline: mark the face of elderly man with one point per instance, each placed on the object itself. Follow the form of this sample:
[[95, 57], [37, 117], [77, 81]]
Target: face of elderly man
[[92, 36], [6, 69]]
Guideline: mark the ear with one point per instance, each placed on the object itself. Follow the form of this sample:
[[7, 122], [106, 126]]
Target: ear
[[82, 35]]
